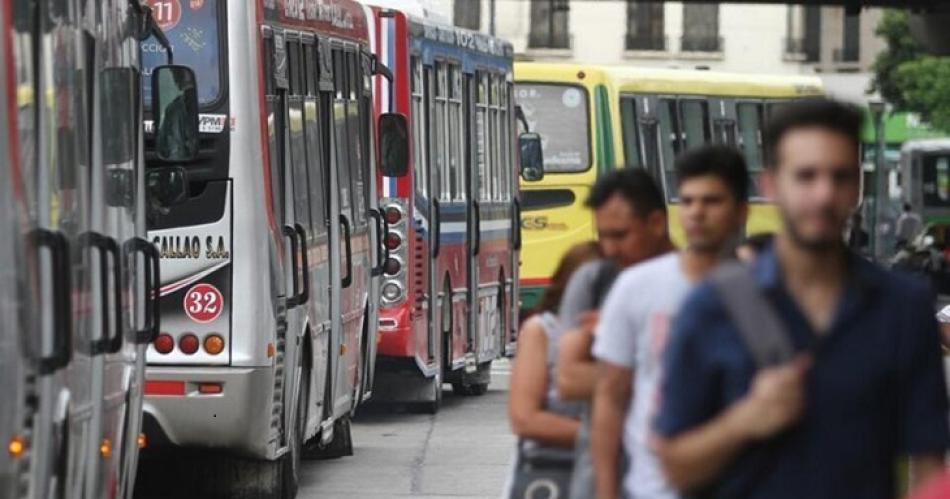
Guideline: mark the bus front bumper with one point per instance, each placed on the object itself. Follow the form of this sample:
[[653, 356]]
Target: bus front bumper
[[181, 408]]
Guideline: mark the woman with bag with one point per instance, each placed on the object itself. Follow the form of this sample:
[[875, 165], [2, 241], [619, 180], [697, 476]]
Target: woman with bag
[[546, 426]]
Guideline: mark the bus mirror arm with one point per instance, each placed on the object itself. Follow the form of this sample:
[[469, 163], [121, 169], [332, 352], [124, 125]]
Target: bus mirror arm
[[151, 28], [58, 247], [380, 69], [153, 287], [519, 115]]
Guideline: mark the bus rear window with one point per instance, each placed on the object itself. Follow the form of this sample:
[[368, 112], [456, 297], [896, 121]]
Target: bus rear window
[[559, 113], [936, 180], [192, 30]]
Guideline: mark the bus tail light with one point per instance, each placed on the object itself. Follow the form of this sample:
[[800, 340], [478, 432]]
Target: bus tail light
[[188, 344], [392, 266], [392, 292], [214, 344], [210, 388], [393, 214], [164, 343], [393, 240]]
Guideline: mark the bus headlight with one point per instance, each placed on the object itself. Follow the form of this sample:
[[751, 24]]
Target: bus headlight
[[391, 292]]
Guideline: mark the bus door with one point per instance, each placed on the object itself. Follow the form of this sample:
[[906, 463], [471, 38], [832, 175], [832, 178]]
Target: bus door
[[377, 231], [115, 227], [317, 152], [361, 252], [297, 225], [56, 167], [342, 215], [473, 207], [433, 208]]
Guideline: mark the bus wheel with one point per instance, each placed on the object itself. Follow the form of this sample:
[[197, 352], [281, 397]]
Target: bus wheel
[[342, 443], [290, 462]]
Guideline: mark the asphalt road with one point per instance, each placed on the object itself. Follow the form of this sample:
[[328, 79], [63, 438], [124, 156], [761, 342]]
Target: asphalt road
[[464, 451]]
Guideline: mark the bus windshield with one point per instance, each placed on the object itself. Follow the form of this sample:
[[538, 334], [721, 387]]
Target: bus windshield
[[559, 114], [192, 30], [936, 180]]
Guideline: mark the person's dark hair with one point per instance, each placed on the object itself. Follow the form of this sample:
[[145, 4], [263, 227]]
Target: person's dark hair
[[724, 162], [908, 207], [635, 185], [578, 255], [836, 116]]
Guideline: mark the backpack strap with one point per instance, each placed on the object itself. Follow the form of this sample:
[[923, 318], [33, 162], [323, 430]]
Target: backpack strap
[[761, 329]]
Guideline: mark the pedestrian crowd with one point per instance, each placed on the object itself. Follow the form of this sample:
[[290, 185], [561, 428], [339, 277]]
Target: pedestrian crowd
[[771, 366]]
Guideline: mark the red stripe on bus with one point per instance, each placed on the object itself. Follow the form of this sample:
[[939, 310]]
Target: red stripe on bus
[[163, 387], [540, 281], [262, 109]]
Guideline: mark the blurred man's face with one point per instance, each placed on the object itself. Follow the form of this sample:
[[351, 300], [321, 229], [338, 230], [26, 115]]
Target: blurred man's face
[[709, 213], [816, 185], [625, 237]]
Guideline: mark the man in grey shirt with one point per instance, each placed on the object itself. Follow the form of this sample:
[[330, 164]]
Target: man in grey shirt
[[908, 226], [630, 214]]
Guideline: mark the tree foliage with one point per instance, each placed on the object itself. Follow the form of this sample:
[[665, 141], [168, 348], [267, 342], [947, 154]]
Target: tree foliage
[[907, 77]]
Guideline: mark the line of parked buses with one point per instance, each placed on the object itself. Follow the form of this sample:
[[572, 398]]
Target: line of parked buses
[[230, 223]]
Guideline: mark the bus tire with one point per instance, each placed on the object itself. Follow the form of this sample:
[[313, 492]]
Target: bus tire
[[342, 443], [290, 462]]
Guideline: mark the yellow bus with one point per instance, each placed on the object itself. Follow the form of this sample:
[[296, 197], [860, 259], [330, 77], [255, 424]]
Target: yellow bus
[[596, 118]]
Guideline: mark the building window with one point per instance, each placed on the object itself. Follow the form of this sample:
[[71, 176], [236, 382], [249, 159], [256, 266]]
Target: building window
[[701, 28], [468, 14], [549, 25], [851, 44], [645, 29]]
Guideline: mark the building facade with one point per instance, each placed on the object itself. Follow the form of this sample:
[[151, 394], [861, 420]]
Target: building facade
[[838, 45]]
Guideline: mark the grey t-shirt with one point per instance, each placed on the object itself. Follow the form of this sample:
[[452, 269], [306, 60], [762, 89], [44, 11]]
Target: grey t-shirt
[[632, 333]]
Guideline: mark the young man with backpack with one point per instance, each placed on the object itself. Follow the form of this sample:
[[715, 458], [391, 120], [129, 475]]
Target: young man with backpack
[[840, 375], [713, 184]]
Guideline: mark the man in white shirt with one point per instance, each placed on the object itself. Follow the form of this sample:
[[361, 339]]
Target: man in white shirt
[[631, 335]]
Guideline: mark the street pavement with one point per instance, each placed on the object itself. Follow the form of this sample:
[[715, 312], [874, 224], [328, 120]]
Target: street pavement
[[464, 451]]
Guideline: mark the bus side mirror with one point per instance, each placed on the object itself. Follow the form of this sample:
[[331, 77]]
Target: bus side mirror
[[532, 158], [167, 186], [175, 107], [393, 144]]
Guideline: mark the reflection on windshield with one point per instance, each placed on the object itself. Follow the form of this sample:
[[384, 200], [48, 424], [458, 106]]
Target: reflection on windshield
[[192, 30], [559, 114], [936, 176]]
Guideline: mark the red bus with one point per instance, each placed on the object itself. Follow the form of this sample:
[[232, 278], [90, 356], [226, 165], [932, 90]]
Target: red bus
[[450, 202]]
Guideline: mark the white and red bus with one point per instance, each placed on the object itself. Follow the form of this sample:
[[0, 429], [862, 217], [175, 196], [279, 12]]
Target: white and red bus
[[268, 235], [450, 202], [87, 278]]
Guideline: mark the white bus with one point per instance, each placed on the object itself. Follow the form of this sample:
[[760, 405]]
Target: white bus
[[268, 236], [72, 73]]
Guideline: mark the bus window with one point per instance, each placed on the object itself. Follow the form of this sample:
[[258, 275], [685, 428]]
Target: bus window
[[314, 131], [506, 137], [418, 128], [750, 138], [495, 136], [935, 173], [439, 132], [339, 133], [695, 132], [560, 114], [298, 156], [455, 133], [275, 127], [629, 129], [311, 67], [481, 135], [358, 163], [669, 142]]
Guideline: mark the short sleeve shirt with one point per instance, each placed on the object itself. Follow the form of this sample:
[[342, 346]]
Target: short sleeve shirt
[[632, 333], [875, 391]]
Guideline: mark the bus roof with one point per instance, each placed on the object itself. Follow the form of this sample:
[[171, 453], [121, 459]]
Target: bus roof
[[689, 81], [579, 74], [927, 145], [459, 38], [343, 18], [672, 81]]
